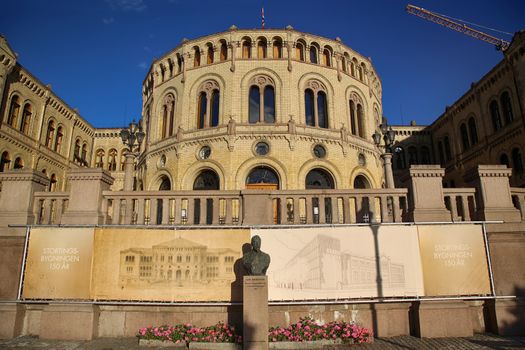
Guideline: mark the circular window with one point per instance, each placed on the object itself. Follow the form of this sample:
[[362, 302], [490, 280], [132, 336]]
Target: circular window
[[361, 159], [319, 151], [205, 152], [262, 148]]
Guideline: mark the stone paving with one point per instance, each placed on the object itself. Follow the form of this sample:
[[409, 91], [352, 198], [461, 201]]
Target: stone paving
[[478, 342]]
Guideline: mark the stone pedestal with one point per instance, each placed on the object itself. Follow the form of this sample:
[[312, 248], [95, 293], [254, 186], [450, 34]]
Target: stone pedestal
[[257, 207], [12, 316], [70, 322], [437, 319], [255, 313]]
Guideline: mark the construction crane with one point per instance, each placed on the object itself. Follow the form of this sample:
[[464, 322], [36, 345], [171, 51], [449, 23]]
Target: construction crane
[[500, 44]]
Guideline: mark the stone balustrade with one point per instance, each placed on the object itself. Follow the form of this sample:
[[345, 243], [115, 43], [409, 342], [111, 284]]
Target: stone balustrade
[[461, 203], [49, 206]]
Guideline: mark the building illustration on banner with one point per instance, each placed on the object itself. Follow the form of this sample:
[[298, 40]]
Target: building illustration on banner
[[179, 262], [322, 264]]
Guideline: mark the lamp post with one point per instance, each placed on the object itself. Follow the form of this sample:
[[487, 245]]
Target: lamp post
[[388, 135], [132, 137]]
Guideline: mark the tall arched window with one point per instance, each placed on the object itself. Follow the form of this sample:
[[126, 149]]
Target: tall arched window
[[112, 159], [504, 160], [26, 118], [179, 63], [208, 105], [319, 179], [399, 153], [473, 132], [327, 58], [50, 133], [506, 106], [313, 54], [448, 153], [53, 183], [299, 51], [277, 48], [261, 100], [464, 137], [5, 161], [441, 153], [261, 48], [76, 152], [224, 51], [196, 57], [344, 62], [99, 158], [517, 161], [412, 155], [209, 54], [425, 155], [316, 104], [14, 110], [357, 122], [496, 118], [207, 180], [353, 66], [83, 156], [19, 163], [246, 48], [362, 72], [361, 182], [58, 139], [168, 116]]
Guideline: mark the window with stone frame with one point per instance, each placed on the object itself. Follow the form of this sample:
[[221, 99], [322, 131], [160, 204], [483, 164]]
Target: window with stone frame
[[316, 104], [261, 100], [208, 105], [167, 125]]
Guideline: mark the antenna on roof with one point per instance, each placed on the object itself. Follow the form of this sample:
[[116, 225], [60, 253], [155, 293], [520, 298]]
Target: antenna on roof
[[262, 18]]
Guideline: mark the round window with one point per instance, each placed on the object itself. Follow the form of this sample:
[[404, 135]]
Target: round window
[[262, 148], [205, 152], [319, 151]]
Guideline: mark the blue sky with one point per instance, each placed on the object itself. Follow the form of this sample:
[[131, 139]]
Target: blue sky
[[95, 54]]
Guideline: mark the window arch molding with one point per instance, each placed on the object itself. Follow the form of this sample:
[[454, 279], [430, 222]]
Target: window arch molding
[[50, 131], [261, 95], [192, 172], [167, 111], [303, 85], [314, 52], [159, 178], [27, 114], [14, 110], [364, 172], [316, 104], [357, 120], [300, 50], [494, 109], [268, 74]]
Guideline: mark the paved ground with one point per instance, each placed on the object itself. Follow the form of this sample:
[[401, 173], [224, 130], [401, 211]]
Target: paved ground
[[478, 342]]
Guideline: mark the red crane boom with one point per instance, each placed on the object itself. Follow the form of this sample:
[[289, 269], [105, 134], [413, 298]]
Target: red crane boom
[[500, 44]]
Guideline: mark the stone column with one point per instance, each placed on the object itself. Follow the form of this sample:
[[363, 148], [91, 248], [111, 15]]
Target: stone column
[[494, 201], [387, 166], [255, 313], [425, 194], [129, 165], [85, 196]]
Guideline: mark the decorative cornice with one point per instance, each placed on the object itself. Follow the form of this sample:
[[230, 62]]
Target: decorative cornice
[[25, 175], [90, 175]]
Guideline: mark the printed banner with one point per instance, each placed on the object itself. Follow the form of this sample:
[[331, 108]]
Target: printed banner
[[58, 264], [168, 265], [342, 262], [454, 260]]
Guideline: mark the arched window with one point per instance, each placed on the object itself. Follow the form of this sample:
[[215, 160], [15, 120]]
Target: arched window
[[344, 62], [361, 182], [496, 118], [412, 155], [165, 184], [399, 153], [464, 137], [504, 160], [83, 156], [76, 152], [50, 133], [517, 161], [53, 183], [441, 153], [353, 67], [196, 57], [313, 54], [362, 72], [327, 58], [207, 180], [506, 106], [209, 54], [112, 159], [425, 155], [26, 118], [473, 132], [261, 48], [224, 51], [319, 179], [122, 159], [261, 100], [448, 153], [316, 104], [14, 110], [208, 105], [58, 139], [246, 48], [19, 163], [179, 63], [5, 161], [168, 116], [357, 122], [99, 158], [262, 177], [277, 48], [299, 51]]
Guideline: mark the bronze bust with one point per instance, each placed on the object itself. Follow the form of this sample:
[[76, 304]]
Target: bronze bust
[[256, 261]]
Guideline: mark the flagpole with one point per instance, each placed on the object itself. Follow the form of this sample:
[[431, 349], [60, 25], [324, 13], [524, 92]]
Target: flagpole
[[262, 17]]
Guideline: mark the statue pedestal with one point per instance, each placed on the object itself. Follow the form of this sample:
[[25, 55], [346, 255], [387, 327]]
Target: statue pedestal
[[255, 313]]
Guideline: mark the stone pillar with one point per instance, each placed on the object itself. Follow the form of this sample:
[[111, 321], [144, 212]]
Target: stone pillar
[[493, 198], [85, 197], [255, 313], [129, 165], [387, 166], [16, 198], [425, 192], [257, 207]]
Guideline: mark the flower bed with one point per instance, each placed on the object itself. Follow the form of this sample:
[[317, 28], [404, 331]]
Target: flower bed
[[219, 333], [309, 330]]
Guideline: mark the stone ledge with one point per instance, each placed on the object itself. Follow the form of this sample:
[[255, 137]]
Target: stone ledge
[[146, 343], [293, 345], [214, 346]]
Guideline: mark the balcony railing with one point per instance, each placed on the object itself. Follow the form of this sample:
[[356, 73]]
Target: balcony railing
[[461, 203], [49, 206]]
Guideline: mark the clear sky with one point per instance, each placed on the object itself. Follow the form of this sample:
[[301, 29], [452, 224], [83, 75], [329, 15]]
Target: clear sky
[[95, 54]]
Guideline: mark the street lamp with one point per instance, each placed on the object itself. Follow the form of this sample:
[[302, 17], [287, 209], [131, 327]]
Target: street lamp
[[132, 137], [385, 131]]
